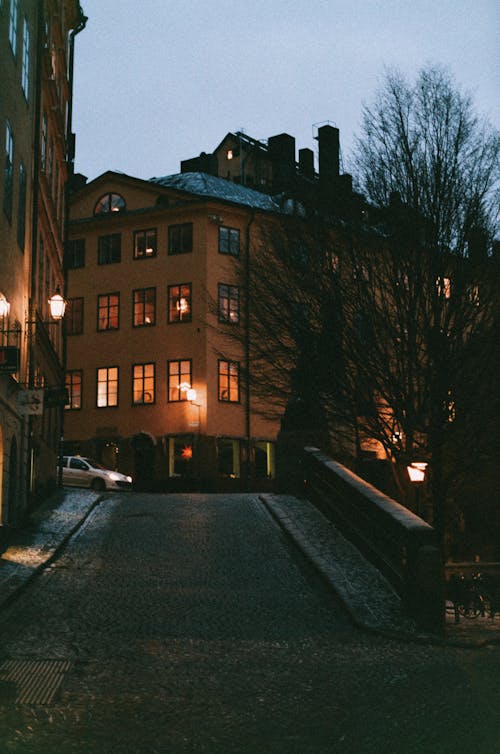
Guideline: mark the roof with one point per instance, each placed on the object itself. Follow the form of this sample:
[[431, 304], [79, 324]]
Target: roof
[[203, 184]]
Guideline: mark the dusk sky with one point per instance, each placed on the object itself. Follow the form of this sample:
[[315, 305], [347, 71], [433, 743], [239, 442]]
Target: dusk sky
[[159, 81]]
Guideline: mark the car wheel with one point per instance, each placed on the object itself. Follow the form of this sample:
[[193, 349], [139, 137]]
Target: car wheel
[[98, 485]]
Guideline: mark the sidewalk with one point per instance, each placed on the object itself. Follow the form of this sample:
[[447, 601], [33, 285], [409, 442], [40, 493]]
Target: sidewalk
[[24, 552], [368, 597]]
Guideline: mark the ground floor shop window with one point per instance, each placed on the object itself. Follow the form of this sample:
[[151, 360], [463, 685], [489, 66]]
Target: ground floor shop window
[[265, 460], [180, 456], [228, 458]]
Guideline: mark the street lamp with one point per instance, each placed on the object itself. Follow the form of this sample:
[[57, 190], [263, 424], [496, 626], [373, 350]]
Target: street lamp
[[416, 472]]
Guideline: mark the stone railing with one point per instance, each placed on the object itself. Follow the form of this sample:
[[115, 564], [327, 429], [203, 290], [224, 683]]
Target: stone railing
[[395, 540]]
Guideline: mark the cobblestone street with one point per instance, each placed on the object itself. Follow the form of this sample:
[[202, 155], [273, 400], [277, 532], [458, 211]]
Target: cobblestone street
[[190, 623]]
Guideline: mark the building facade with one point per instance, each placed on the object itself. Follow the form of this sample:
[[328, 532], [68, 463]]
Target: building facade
[[37, 40], [156, 388]]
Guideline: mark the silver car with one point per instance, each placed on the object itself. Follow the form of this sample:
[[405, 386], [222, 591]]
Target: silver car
[[85, 472]]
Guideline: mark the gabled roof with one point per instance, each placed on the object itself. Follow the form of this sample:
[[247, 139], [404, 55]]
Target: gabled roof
[[203, 184]]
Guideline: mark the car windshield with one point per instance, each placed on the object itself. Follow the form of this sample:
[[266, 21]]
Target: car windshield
[[94, 464]]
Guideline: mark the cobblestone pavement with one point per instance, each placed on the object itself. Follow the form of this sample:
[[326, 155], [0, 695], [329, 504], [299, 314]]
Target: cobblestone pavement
[[191, 623]]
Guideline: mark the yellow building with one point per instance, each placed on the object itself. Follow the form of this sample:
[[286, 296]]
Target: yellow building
[[37, 41], [156, 388]]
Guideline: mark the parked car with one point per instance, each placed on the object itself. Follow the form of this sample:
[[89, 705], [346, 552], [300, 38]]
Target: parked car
[[85, 472]]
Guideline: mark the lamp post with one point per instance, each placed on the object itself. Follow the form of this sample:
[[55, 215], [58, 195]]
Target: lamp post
[[416, 472]]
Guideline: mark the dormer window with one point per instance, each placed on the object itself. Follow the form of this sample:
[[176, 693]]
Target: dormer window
[[109, 203]]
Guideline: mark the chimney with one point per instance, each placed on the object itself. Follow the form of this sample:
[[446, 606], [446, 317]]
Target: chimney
[[329, 153], [306, 162], [281, 150]]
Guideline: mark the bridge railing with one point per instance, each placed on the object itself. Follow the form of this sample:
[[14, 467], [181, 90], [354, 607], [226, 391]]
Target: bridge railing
[[395, 540]]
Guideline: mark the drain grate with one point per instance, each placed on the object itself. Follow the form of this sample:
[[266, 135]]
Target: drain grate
[[37, 681]]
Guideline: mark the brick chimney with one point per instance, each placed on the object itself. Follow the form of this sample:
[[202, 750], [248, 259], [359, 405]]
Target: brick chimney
[[281, 150]]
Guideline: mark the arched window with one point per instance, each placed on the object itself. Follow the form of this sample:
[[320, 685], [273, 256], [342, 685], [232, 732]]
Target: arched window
[[110, 203]]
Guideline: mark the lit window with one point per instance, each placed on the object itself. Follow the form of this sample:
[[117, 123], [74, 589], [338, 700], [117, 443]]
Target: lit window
[[179, 303], [443, 285], [25, 73], [229, 154], [143, 383], [145, 243], [229, 241], [107, 387], [74, 388], [180, 238], [144, 307], [179, 376], [8, 180], [109, 249], [13, 26], [229, 381], [229, 303], [108, 311], [109, 203], [74, 316]]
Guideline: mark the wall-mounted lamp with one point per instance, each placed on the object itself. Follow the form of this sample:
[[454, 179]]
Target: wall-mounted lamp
[[57, 308], [4, 306]]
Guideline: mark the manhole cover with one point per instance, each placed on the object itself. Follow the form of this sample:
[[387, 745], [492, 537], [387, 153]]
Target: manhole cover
[[36, 681]]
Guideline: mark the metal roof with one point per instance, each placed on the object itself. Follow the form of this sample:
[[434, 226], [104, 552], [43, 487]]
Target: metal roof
[[203, 184]]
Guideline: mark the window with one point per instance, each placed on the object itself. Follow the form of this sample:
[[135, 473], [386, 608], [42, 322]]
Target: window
[[13, 26], [109, 203], [144, 307], [74, 254], [74, 316], [109, 249], [145, 243], [74, 388], [21, 209], [108, 311], [264, 460], [179, 303], [43, 146], [143, 378], [228, 458], [8, 178], [229, 241], [229, 303], [229, 381], [107, 387], [179, 379], [25, 73], [180, 238]]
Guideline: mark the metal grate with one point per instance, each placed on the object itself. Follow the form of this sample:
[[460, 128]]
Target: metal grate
[[37, 681]]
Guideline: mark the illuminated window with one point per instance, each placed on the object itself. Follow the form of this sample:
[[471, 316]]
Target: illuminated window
[[180, 238], [443, 285], [109, 203], [13, 25], [74, 316], [108, 311], [25, 72], [144, 307], [143, 387], [229, 241], [229, 381], [179, 303], [107, 387], [229, 303], [145, 243], [8, 179], [109, 249], [179, 377], [229, 154], [74, 388]]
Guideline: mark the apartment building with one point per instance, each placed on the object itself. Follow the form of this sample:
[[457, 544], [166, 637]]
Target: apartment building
[[156, 386], [37, 42]]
